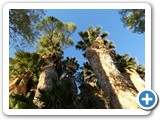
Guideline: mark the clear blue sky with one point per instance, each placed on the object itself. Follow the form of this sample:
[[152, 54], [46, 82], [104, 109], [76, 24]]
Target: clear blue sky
[[124, 40]]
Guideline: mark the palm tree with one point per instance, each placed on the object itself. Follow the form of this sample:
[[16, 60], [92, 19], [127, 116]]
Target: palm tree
[[70, 66], [56, 37], [87, 38], [120, 93], [128, 66], [26, 61], [64, 89], [89, 76], [124, 62], [68, 85], [24, 71], [133, 19]]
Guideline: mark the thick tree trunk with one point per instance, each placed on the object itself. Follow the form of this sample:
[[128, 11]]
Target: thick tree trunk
[[135, 79], [46, 82], [114, 85], [53, 90]]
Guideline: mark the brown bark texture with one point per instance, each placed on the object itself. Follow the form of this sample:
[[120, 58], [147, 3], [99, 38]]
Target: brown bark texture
[[46, 83], [116, 88], [135, 79]]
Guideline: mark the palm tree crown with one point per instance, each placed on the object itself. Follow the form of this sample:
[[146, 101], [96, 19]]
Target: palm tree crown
[[90, 35], [55, 35], [125, 62], [25, 61]]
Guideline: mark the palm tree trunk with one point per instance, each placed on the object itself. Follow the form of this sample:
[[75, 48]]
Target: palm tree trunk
[[115, 87], [46, 82], [135, 79]]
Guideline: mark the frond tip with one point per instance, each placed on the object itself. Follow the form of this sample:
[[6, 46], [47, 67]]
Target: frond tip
[[105, 34]]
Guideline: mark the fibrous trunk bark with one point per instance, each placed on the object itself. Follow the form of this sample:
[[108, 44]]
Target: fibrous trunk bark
[[46, 82], [135, 79], [115, 87]]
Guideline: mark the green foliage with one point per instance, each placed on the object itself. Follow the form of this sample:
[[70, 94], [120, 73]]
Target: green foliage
[[89, 75], [70, 65], [89, 36], [125, 62], [25, 61], [20, 102], [93, 33], [22, 24], [109, 44], [56, 35], [105, 34], [46, 46], [141, 71], [88, 99], [68, 91], [88, 96], [62, 95], [64, 90], [134, 19], [111, 47]]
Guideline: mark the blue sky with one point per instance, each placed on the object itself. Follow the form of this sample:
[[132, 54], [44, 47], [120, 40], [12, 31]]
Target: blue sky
[[124, 40]]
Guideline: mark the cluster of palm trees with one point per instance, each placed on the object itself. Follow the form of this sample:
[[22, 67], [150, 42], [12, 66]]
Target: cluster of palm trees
[[107, 81]]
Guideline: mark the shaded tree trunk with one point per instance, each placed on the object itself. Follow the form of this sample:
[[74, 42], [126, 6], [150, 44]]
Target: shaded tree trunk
[[46, 82], [135, 79], [53, 90], [115, 87]]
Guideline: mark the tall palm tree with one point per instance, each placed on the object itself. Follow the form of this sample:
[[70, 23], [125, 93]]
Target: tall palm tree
[[64, 89], [68, 84], [120, 93], [56, 37]]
